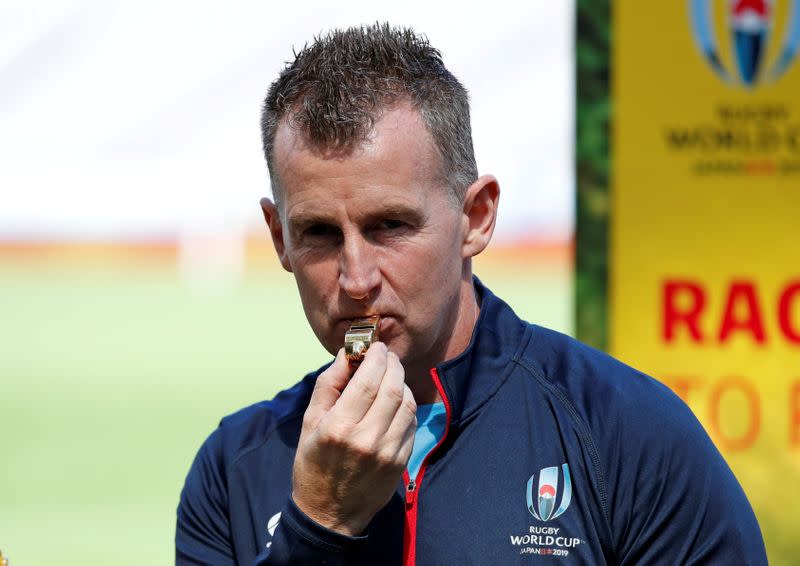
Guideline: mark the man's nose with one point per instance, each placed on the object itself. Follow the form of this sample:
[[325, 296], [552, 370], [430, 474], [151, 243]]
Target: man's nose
[[359, 275]]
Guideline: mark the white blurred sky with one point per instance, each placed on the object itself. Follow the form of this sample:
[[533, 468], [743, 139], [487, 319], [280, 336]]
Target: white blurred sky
[[139, 120]]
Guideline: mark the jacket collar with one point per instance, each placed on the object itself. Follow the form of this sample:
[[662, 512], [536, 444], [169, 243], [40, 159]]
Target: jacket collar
[[472, 377]]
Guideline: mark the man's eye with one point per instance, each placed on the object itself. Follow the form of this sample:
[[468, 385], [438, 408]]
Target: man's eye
[[321, 231], [391, 224]]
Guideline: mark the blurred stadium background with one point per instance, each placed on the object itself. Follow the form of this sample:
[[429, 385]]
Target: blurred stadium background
[[140, 298]]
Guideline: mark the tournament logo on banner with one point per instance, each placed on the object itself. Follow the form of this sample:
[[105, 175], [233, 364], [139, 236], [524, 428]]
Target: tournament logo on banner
[[751, 47], [751, 26]]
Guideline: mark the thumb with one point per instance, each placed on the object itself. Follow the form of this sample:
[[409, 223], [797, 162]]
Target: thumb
[[330, 384]]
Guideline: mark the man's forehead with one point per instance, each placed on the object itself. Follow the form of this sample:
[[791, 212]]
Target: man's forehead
[[400, 126], [398, 167]]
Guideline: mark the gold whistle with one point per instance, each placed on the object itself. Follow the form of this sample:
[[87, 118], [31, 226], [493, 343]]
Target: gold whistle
[[359, 337]]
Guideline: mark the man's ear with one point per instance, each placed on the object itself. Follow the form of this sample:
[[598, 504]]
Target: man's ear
[[479, 215], [276, 231]]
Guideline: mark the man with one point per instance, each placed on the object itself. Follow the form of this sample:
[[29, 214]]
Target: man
[[466, 436]]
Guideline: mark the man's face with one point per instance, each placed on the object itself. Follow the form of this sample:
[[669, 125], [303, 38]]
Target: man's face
[[373, 232]]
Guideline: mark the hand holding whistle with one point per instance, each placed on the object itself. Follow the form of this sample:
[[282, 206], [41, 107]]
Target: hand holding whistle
[[357, 436]]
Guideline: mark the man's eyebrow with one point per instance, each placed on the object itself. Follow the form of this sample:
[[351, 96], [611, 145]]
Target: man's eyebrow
[[301, 221], [398, 211]]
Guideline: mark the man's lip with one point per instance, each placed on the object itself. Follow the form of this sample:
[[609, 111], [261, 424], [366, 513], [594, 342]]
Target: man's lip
[[386, 319], [350, 319]]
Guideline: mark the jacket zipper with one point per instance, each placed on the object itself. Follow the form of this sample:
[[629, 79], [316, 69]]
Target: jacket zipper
[[412, 486]]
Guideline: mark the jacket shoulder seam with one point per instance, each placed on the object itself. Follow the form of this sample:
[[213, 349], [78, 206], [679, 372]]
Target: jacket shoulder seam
[[583, 430]]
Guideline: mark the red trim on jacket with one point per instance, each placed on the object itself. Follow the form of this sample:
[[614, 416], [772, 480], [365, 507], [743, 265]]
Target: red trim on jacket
[[412, 486]]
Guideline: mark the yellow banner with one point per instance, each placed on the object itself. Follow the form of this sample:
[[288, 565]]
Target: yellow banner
[[705, 228]]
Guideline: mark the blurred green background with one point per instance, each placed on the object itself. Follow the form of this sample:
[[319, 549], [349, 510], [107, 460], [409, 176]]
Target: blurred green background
[[113, 370]]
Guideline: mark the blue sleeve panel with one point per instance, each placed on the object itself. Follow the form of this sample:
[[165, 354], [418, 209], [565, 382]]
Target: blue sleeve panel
[[555, 453]]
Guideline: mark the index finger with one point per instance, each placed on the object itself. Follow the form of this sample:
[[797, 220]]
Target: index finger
[[357, 397]]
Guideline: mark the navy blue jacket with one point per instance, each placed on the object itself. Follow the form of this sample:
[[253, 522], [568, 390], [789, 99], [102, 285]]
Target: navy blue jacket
[[554, 453]]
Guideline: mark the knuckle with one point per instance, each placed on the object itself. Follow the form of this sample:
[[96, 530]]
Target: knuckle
[[365, 386], [331, 376], [395, 391], [363, 450], [386, 460], [324, 378], [395, 365], [410, 407], [322, 385], [335, 436], [408, 402]]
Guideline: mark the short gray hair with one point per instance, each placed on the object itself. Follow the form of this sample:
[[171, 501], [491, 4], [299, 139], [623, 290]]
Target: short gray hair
[[336, 89]]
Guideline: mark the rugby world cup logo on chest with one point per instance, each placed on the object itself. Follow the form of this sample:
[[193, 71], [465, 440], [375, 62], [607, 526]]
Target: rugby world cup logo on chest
[[543, 491], [747, 42], [548, 495]]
